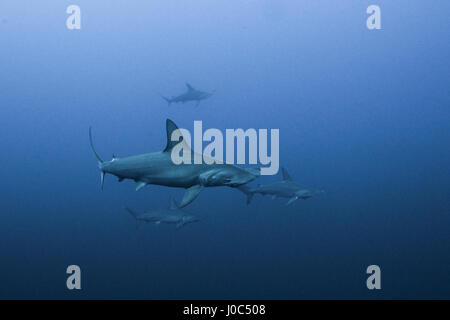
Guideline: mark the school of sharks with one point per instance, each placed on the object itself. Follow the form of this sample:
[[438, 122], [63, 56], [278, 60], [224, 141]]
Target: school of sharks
[[158, 168]]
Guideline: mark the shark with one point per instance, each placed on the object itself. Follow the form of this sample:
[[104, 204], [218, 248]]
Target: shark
[[157, 168], [286, 188], [191, 94], [171, 215]]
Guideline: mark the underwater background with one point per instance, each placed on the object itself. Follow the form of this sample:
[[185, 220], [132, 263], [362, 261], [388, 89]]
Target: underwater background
[[363, 114]]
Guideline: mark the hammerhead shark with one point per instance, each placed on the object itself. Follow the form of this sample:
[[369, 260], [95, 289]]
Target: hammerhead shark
[[283, 189], [172, 215], [190, 95], [159, 169]]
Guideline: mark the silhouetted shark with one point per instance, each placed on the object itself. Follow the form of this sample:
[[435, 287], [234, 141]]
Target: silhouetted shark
[[190, 95], [283, 189], [158, 168], [172, 215]]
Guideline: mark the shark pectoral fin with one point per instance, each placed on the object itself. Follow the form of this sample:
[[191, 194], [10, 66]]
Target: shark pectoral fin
[[173, 204], [248, 192], [274, 197], [140, 185], [291, 200], [157, 222], [179, 225], [190, 195]]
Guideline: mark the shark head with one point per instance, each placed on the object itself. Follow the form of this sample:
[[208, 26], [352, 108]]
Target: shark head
[[190, 219], [204, 95], [186, 220], [304, 194], [228, 176]]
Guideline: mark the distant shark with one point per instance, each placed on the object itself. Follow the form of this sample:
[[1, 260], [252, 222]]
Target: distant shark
[[158, 168], [190, 95], [172, 215], [281, 189]]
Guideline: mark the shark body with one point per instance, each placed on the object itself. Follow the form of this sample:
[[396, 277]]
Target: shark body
[[281, 189], [172, 215], [191, 94], [158, 168]]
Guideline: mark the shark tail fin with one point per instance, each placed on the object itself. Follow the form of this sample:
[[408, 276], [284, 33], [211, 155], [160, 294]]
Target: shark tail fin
[[248, 192], [169, 101], [132, 212], [134, 215], [99, 160], [102, 178]]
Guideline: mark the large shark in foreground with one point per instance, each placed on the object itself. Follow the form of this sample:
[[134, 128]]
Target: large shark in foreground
[[190, 95], [158, 168], [172, 215], [281, 189]]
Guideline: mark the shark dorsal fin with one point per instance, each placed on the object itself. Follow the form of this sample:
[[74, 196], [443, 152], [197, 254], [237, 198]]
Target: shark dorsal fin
[[170, 128], [286, 175], [189, 87]]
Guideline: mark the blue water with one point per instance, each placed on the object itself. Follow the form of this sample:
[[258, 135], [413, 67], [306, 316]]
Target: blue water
[[363, 114]]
